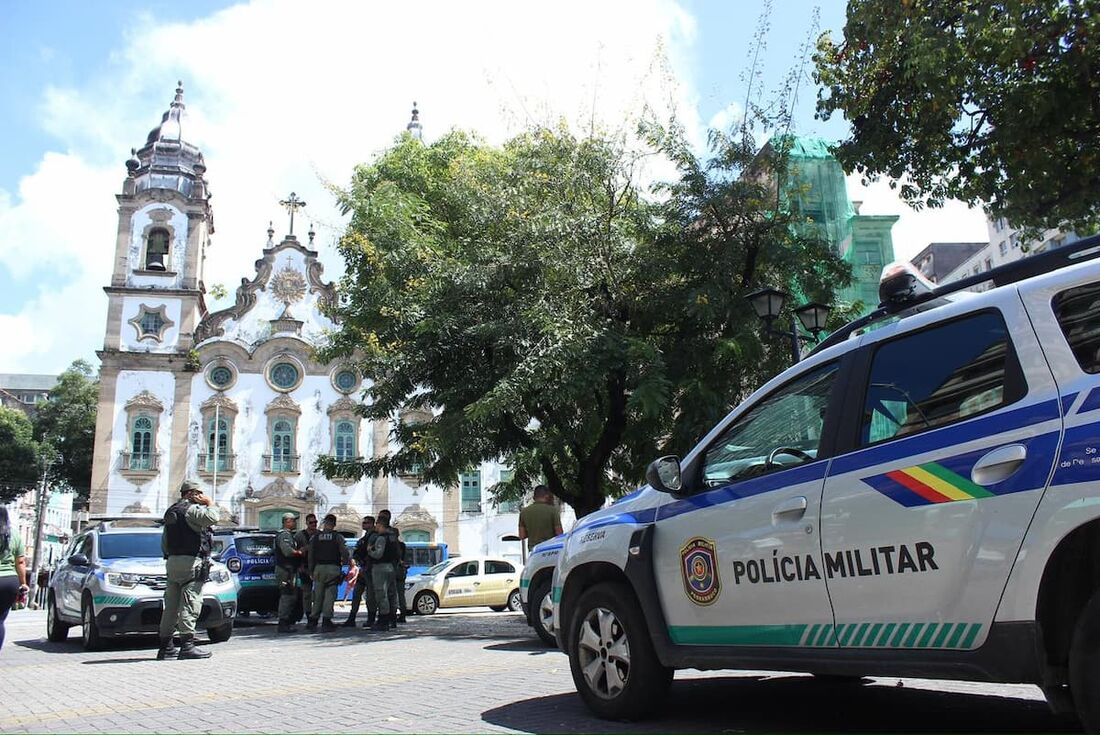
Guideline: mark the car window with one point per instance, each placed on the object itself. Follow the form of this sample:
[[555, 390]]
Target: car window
[[436, 569], [1078, 313], [782, 430], [465, 569], [126, 545], [86, 546], [499, 567], [939, 376], [217, 546], [255, 545]]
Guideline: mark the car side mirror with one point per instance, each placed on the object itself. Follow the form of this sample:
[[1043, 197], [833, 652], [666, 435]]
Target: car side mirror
[[664, 474], [78, 560]]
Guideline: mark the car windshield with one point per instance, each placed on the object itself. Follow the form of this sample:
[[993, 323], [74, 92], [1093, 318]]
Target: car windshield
[[255, 545], [437, 568], [128, 545]]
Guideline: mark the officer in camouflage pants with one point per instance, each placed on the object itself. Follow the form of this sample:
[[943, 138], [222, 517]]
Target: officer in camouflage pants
[[327, 553], [384, 558], [288, 556]]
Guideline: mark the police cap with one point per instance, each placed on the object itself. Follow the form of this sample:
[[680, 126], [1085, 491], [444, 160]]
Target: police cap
[[188, 487], [290, 515]]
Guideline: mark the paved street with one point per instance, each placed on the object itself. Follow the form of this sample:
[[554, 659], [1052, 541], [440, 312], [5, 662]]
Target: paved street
[[452, 672]]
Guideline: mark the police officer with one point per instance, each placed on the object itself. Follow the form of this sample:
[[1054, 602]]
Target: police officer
[[363, 587], [401, 571], [327, 553], [185, 543], [302, 539], [384, 556], [288, 558]]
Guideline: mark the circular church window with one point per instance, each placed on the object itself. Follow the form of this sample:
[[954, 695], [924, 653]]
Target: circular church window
[[346, 380], [284, 375], [221, 376]]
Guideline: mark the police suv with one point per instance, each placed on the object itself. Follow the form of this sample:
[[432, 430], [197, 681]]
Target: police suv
[[919, 497], [534, 587], [112, 580]]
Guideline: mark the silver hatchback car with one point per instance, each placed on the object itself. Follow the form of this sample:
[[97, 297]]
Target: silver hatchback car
[[111, 582]]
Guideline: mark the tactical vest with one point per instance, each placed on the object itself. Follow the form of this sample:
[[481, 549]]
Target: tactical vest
[[390, 553], [181, 539], [362, 549], [282, 559], [326, 547]]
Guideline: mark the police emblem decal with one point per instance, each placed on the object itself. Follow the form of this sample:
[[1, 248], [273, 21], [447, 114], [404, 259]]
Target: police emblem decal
[[699, 566]]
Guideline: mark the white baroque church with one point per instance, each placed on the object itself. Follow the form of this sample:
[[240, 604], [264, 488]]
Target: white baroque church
[[235, 399]]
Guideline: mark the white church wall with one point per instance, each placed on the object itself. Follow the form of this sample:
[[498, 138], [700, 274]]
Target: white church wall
[[251, 440], [123, 492], [131, 307], [177, 251]]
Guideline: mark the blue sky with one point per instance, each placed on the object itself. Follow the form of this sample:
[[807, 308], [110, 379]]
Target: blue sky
[[289, 95]]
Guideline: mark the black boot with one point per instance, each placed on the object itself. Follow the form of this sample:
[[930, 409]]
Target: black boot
[[167, 649], [350, 622], [285, 626], [327, 625], [371, 617], [381, 624], [311, 625], [188, 649], [392, 622]]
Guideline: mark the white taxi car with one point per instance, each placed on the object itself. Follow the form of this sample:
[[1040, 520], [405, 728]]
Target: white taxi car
[[465, 582], [918, 497]]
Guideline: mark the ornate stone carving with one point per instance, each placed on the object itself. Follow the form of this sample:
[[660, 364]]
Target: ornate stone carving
[[289, 286], [162, 326], [220, 403], [212, 325], [415, 518], [327, 300], [344, 405], [278, 488], [283, 404], [145, 400]]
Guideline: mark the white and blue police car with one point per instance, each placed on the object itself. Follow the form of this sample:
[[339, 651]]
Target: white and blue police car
[[919, 497], [534, 587]]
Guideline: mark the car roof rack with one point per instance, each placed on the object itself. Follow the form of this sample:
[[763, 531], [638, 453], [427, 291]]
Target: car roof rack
[[1014, 272]]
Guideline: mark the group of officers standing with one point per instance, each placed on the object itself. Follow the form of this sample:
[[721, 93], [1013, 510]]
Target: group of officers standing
[[309, 561]]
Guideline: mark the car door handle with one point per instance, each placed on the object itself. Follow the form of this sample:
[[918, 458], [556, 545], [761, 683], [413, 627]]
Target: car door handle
[[792, 509], [999, 464], [477, 584]]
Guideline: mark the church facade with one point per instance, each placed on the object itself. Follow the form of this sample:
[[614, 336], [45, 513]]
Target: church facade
[[236, 399]]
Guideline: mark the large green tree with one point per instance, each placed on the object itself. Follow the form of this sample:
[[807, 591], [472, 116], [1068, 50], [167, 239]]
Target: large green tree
[[66, 424], [18, 454], [546, 309], [987, 101]]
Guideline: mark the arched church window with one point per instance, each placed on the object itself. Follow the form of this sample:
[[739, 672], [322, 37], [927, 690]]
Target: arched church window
[[141, 444], [283, 458], [156, 250], [345, 441], [217, 445]]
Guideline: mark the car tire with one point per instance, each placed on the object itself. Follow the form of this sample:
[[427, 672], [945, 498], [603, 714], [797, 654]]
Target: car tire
[[56, 631], [540, 605], [1084, 665], [220, 634], [89, 634], [609, 627], [426, 603], [515, 601], [498, 608]]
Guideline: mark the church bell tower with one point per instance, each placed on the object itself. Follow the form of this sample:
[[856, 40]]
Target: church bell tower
[[155, 302]]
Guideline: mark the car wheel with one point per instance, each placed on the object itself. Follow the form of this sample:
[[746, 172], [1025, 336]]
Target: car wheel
[[426, 603], [89, 634], [1084, 665], [515, 602], [220, 634], [542, 612], [56, 631], [614, 666]]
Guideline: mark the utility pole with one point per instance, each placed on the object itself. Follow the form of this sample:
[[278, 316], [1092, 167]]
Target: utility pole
[[39, 523]]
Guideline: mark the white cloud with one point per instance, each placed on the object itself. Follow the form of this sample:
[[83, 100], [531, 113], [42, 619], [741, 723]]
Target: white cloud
[[284, 96], [954, 222]]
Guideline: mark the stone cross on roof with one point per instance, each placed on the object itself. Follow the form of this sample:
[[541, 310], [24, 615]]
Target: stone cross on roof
[[292, 204]]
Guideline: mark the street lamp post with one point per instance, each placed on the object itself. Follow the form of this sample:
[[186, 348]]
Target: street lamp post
[[768, 303]]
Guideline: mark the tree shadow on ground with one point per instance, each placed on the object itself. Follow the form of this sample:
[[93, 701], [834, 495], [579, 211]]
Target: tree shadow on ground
[[793, 704]]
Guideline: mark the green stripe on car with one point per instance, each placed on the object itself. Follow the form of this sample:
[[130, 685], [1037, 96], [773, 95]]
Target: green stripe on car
[[851, 635]]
